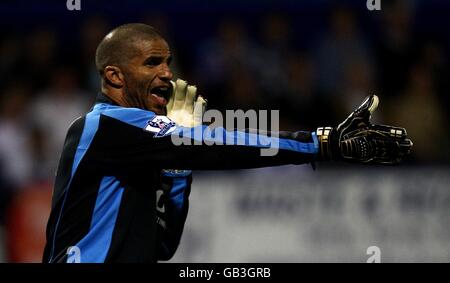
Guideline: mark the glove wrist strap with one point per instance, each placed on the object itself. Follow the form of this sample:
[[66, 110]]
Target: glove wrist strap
[[325, 147]]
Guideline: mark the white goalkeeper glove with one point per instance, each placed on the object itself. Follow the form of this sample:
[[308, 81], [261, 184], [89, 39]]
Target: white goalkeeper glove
[[184, 107]]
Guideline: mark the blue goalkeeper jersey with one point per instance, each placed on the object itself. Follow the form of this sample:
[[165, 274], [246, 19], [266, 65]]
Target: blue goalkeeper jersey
[[123, 182]]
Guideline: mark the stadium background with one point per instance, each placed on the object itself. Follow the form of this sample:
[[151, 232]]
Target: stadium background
[[312, 60]]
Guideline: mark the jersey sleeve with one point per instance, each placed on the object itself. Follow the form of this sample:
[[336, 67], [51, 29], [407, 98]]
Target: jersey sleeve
[[128, 137]]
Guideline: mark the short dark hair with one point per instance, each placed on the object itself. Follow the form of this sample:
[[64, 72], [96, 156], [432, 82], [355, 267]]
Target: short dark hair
[[118, 46]]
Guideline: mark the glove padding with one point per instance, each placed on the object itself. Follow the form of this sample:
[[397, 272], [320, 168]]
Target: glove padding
[[184, 107], [357, 140]]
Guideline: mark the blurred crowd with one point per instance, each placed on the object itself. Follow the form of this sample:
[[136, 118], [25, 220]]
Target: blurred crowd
[[315, 75]]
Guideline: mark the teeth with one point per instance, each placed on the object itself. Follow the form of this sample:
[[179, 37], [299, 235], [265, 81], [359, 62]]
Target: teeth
[[162, 92], [161, 89]]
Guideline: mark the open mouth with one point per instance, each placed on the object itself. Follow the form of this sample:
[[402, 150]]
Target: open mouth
[[161, 94]]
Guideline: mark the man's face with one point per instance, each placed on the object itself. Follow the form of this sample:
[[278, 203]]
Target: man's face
[[147, 76]]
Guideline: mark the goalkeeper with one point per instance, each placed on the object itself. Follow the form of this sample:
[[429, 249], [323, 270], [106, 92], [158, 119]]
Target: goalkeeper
[[122, 186]]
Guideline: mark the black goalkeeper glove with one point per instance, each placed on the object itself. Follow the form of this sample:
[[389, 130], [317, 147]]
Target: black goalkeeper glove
[[357, 140]]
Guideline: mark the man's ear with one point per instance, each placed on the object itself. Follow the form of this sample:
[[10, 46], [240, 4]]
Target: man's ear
[[114, 76]]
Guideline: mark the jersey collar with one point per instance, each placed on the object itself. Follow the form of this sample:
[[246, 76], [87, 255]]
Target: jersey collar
[[102, 98]]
